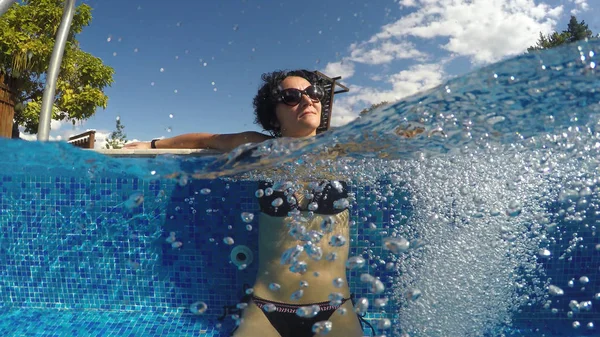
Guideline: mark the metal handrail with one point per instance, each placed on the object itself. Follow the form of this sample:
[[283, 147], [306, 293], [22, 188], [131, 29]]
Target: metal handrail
[[5, 5], [53, 69]]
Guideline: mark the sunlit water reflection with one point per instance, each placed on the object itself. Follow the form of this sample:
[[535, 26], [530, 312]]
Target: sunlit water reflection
[[500, 167]]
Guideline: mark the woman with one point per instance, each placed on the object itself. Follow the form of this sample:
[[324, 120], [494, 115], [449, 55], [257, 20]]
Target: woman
[[301, 286]]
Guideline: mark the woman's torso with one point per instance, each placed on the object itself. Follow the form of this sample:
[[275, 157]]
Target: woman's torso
[[275, 240]]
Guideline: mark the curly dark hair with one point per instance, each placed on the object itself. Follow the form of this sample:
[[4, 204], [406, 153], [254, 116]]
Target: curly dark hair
[[264, 102]]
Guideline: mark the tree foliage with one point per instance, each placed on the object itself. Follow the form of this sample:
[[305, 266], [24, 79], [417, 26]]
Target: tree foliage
[[27, 36], [575, 31], [117, 138]]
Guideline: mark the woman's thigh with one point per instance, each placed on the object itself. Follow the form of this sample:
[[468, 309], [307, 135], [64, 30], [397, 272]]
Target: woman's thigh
[[255, 323]]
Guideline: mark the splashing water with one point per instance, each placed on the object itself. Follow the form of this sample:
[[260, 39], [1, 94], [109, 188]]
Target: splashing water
[[499, 167]]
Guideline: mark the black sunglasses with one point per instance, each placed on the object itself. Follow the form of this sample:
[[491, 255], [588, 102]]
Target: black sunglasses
[[293, 96]]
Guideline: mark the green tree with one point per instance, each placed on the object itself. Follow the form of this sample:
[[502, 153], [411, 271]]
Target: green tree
[[575, 31], [117, 138], [27, 36]]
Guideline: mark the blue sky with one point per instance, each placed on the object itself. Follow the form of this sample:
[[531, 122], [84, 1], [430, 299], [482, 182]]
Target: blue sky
[[194, 66]]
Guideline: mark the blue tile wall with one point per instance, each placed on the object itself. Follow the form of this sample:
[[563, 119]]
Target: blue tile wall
[[80, 257]]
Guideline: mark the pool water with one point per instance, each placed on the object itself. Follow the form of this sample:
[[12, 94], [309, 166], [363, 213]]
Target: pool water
[[496, 189]]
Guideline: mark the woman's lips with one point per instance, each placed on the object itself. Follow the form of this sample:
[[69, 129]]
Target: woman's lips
[[307, 113]]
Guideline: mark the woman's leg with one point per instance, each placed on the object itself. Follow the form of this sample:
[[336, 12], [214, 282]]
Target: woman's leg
[[255, 323]]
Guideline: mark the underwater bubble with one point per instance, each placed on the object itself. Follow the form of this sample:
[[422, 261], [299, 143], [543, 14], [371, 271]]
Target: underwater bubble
[[296, 295], [313, 237], [576, 325], [555, 291], [362, 305], [299, 267], [335, 299], [247, 217], [269, 307], [259, 193], [584, 280], [384, 324], [337, 241], [291, 254], [308, 311], [514, 208], [313, 206], [241, 306], [313, 251], [303, 284], [268, 191], [331, 256], [205, 191], [597, 296], [249, 291], [338, 282], [327, 224], [134, 200], [571, 283], [342, 203], [248, 228], [198, 308], [274, 287], [413, 294], [377, 287], [176, 244], [590, 325], [342, 311], [171, 238], [366, 278], [380, 302], [585, 305], [228, 240], [355, 262], [396, 245], [277, 202], [574, 306], [544, 253], [322, 328]]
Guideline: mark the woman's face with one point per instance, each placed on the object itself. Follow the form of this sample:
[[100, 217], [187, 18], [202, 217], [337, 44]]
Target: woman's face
[[303, 119]]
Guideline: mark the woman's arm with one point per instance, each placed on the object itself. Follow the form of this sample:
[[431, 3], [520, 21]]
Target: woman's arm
[[220, 142]]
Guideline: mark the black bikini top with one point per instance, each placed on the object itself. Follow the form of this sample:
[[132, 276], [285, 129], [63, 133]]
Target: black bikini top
[[330, 198]]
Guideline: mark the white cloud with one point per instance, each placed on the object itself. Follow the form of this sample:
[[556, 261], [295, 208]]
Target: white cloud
[[384, 52], [580, 6], [405, 83], [483, 30], [407, 3], [343, 68]]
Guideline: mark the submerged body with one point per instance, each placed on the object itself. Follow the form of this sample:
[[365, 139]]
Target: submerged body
[[316, 282]]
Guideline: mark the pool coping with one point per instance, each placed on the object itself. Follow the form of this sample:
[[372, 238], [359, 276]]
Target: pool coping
[[141, 153]]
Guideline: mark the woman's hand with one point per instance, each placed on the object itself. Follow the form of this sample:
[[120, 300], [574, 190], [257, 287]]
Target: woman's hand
[[137, 145]]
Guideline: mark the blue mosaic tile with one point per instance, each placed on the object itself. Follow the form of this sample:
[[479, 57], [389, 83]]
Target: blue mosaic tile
[[80, 259]]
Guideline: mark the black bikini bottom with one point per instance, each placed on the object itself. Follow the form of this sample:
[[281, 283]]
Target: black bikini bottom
[[285, 320]]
